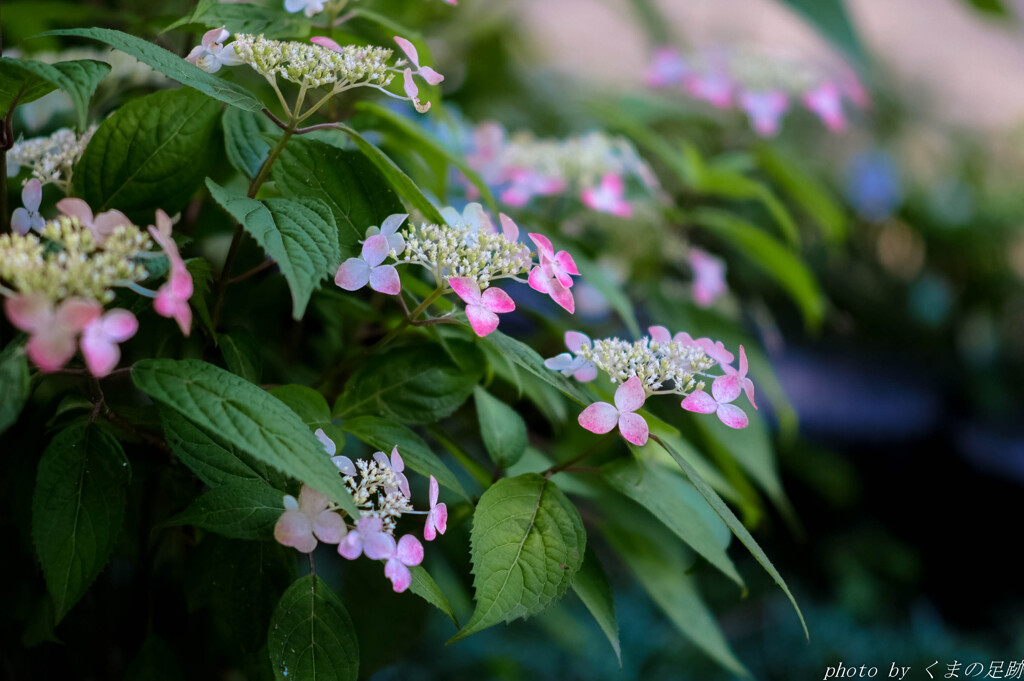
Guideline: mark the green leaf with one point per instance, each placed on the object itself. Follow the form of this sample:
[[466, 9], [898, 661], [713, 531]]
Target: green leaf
[[675, 502], [299, 234], [527, 545], [14, 378], [401, 182], [153, 151], [77, 509], [26, 81], [423, 141], [591, 585], [243, 139], [424, 586], [241, 352], [171, 65], [832, 20], [660, 568], [771, 257], [502, 429], [385, 434], [251, 419], [734, 524], [526, 357], [246, 509], [202, 275], [418, 384], [805, 188], [311, 635], [252, 18], [213, 461], [346, 181]]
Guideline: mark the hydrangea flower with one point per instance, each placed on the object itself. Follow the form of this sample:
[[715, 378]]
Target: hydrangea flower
[[25, 219], [482, 308], [667, 68], [212, 53], [368, 538], [389, 229], [307, 7], [574, 364], [101, 337], [608, 197], [826, 103], [53, 331], [724, 390], [308, 519], [708, 277], [714, 349], [428, 74], [343, 463], [407, 553], [397, 466], [437, 516], [101, 226], [745, 383], [601, 417], [527, 183], [713, 88], [368, 268], [51, 159], [172, 298], [552, 276], [765, 110]]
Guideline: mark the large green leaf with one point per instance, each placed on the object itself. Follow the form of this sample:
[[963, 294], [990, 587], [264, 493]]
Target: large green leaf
[[384, 434], [805, 189], [171, 65], [591, 585], [527, 545], [241, 352], [401, 182], [831, 18], [345, 180], [253, 18], [418, 384], [526, 357], [734, 524], [660, 567], [424, 586], [769, 255], [29, 80], [248, 417], [311, 636], [14, 378], [299, 234], [673, 501], [153, 151], [246, 509], [312, 408], [77, 509], [244, 139], [501, 427]]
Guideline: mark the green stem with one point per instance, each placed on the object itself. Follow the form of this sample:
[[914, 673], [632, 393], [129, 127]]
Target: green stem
[[438, 292]]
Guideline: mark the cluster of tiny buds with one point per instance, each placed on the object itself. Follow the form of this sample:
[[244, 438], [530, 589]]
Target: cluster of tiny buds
[[464, 251], [50, 159], [311, 65], [668, 367], [376, 491], [581, 160], [66, 260]]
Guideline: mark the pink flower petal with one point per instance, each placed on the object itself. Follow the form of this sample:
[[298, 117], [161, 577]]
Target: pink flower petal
[[409, 551], [213, 36], [538, 280], [399, 575], [587, 373], [509, 228], [76, 208], [29, 312], [101, 354], [312, 502], [435, 490], [409, 49], [329, 527], [440, 517], [378, 546], [630, 396], [431, 76], [76, 313], [600, 418], [561, 295], [51, 349], [392, 223], [566, 262], [726, 388], [32, 195], [21, 221], [327, 442], [700, 402], [385, 279], [344, 464], [351, 547], [732, 416], [634, 428], [429, 532], [576, 341], [294, 529], [466, 288], [324, 41], [659, 334], [353, 274], [481, 319], [375, 250], [104, 224], [496, 300], [544, 247], [397, 464], [120, 325]]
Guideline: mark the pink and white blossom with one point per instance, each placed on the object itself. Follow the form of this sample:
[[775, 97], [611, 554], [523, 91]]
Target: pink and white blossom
[[765, 110], [527, 183], [389, 229], [53, 331], [571, 363], [172, 298], [356, 273], [482, 308], [667, 68], [212, 53], [368, 538], [713, 349], [397, 465], [428, 74], [724, 390], [437, 516], [601, 417], [101, 225], [708, 276], [27, 218], [552, 276], [101, 337], [407, 553], [745, 383], [608, 197], [713, 88], [343, 463], [307, 520], [827, 104]]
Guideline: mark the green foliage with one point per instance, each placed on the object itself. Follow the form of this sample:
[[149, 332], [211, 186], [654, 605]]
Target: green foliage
[[244, 139], [24, 81], [15, 379], [527, 546], [311, 635], [424, 586], [77, 509], [502, 429], [246, 509], [299, 234], [155, 150], [252, 420], [591, 585]]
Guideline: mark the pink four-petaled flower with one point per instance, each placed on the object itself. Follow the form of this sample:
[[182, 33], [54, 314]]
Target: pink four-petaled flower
[[826, 102], [482, 308], [765, 110], [407, 553], [397, 466], [608, 197], [52, 331], [601, 417], [724, 390], [745, 383], [101, 337], [306, 520], [437, 516], [428, 74], [713, 349], [708, 277], [356, 273], [101, 225], [212, 53], [580, 368], [28, 218], [552, 276], [172, 298]]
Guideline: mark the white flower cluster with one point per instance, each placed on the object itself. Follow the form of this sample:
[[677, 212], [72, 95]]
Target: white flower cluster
[[68, 262], [668, 367], [51, 159], [311, 65], [377, 492], [464, 251]]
